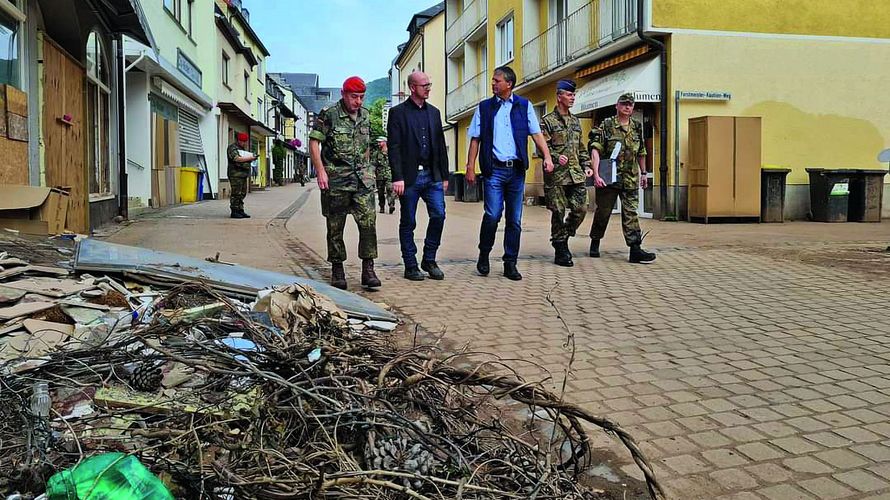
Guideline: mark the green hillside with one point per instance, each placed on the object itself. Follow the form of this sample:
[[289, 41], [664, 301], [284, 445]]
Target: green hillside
[[376, 89]]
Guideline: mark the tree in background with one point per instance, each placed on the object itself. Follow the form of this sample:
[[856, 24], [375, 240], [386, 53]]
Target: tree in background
[[376, 109]]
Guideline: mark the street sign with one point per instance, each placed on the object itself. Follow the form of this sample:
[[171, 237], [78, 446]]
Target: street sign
[[704, 96]]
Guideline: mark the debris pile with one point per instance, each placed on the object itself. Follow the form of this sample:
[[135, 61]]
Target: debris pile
[[282, 397]]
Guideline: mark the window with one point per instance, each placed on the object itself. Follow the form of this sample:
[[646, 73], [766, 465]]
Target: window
[[260, 112], [174, 8], [540, 110], [225, 70], [98, 117], [247, 87], [9, 51], [190, 22], [504, 41]]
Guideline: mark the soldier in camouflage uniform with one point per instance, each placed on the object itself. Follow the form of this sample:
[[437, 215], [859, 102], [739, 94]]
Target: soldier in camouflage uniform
[[630, 164], [380, 160], [238, 172], [564, 187], [340, 148]]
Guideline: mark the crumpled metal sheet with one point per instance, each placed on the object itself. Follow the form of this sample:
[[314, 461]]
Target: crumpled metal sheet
[[163, 267]]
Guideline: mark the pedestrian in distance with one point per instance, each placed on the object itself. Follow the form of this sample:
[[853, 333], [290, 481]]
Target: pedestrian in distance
[[419, 163], [238, 172], [380, 158], [620, 139], [340, 147], [498, 135], [564, 187]]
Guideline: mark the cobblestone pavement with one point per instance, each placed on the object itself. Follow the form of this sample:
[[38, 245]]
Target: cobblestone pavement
[[744, 373]]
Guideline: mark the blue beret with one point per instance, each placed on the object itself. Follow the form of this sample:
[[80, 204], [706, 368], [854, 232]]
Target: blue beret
[[568, 85]]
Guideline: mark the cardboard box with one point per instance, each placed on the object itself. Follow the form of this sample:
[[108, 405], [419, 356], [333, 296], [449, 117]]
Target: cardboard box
[[33, 210]]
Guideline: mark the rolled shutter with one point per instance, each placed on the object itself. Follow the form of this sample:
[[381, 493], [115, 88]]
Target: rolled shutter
[[189, 133]]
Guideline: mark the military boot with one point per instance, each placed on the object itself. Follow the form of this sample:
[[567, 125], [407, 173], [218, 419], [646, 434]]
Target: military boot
[[640, 256], [338, 276], [595, 248], [563, 256], [369, 277]]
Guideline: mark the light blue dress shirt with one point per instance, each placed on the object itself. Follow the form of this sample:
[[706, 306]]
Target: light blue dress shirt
[[504, 145]]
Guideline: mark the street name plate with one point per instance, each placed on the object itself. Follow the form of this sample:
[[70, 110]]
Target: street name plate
[[705, 96]]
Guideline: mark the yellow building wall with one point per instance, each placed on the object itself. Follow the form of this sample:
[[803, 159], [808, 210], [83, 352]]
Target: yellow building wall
[[823, 102], [410, 62], [854, 18], [498, 10], [434, 58]]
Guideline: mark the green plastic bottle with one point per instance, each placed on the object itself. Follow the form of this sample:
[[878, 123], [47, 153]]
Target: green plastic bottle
[[111, 476]]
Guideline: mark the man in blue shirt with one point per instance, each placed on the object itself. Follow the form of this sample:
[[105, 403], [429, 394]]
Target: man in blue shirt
[[498, 135]]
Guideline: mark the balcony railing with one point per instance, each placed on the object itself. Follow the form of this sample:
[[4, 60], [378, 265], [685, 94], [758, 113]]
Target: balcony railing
[[597, 23], [467, 95], [465, 23]]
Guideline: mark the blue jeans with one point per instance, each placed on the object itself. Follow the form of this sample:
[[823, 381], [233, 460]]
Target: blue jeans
[[433, 195], [504, 189]]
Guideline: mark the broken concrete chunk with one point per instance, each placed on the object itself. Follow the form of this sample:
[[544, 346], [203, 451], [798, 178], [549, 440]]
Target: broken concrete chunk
[[24, 309], [382, 326]]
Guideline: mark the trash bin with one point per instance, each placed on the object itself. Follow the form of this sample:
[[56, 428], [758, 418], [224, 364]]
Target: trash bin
[[458, 186], [772, 194], [452, 183], [188, 186], [866, 196], [829, 194]]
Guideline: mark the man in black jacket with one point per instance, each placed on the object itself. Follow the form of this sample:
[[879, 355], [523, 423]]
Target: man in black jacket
[[419, 164]]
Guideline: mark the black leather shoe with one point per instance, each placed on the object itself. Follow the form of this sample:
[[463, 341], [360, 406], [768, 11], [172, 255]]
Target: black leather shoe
[[432, 268], [594, 248], [511, 272], [244, 215], [482, 265], [381, 209], [237, 215], [414, 274], [563, 257], [391, 209], [640, 256]]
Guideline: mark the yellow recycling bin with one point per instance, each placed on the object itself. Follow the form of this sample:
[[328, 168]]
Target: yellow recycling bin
[[188, 187]]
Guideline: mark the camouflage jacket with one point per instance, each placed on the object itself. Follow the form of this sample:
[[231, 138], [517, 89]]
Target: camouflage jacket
[[345, 147], [563, 135], [381, 164], [236, 169], [610, 132]]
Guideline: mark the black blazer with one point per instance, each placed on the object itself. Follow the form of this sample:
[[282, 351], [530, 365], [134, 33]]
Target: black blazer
[[404, 150]]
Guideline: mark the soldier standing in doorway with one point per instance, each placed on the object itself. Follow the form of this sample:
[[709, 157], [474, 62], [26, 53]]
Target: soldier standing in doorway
[[620, 138], [564, 187], [340, 146], [238, 172]]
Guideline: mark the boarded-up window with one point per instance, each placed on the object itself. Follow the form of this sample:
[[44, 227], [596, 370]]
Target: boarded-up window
[[98, 115]]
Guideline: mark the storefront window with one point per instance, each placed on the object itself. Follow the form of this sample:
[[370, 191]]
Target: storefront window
[[9, 51], [98, 115]]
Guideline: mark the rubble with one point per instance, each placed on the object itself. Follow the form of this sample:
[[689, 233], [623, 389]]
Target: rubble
[[281, 394]]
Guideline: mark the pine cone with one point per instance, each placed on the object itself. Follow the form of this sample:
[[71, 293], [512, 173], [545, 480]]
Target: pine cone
[[146, 377], [399, 453]]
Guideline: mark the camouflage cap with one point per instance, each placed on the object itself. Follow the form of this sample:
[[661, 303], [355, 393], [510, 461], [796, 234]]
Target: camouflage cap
[[627, 97]]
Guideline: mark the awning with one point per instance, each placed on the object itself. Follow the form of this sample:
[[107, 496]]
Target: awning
[[182, 100], [252, 124], [643, 80], [126, 17]]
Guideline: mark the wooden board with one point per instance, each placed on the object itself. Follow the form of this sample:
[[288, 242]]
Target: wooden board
[[50, 287], [25, 309], [65, 143], [16, 100], [16, 127]]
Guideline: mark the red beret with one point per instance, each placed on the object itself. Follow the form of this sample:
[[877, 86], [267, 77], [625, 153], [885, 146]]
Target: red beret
[[354, 84], [242, 136]]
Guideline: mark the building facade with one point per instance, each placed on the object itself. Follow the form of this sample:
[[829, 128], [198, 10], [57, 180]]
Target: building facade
[[732, 60], [63, 100]]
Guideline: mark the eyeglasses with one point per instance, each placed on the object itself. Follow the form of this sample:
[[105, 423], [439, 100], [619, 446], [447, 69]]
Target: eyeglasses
[[425, 85]]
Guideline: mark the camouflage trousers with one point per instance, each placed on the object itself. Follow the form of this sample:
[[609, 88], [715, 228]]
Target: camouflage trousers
[[239, 191], [385, 196], [571, 198], [630, 221], [335, 206]]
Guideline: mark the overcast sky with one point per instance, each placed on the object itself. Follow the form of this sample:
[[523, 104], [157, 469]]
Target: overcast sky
[[334, 38]]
